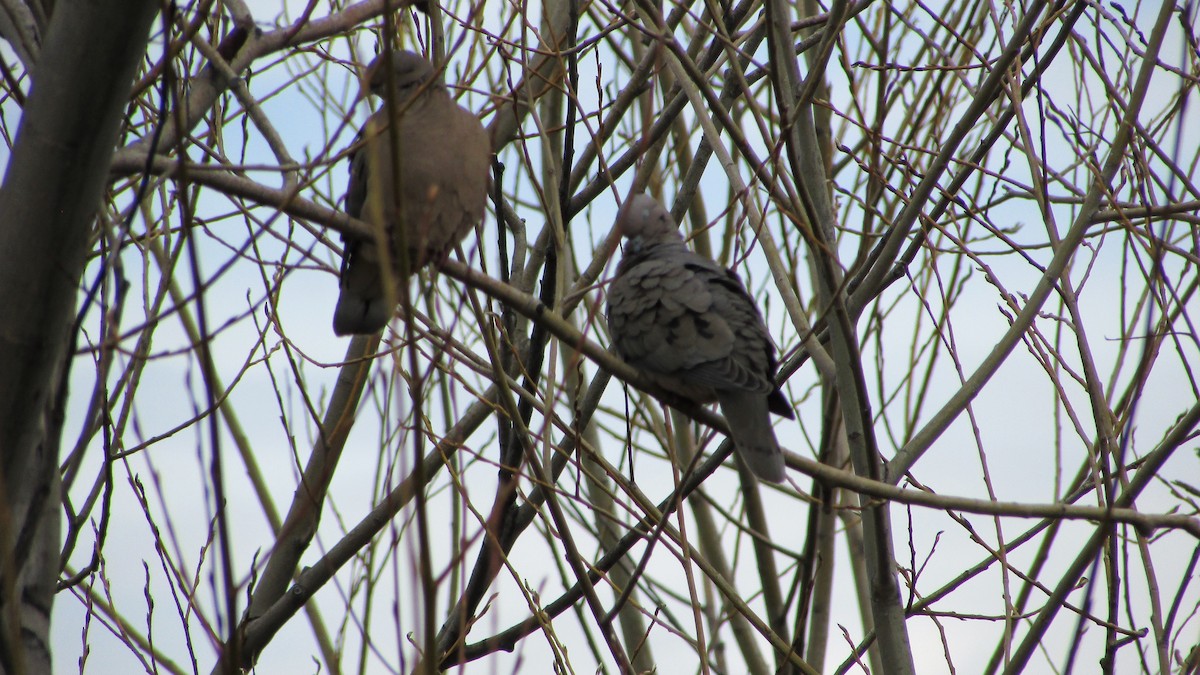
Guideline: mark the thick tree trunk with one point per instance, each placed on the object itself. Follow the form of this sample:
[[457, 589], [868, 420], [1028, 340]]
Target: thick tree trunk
[[53, 185]]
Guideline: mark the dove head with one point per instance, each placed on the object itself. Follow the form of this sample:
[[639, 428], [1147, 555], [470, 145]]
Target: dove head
[[409, 72], [643, 221]]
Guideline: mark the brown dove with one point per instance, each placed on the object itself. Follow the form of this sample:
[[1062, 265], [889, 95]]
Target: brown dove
[[691, 326], [441, 152]]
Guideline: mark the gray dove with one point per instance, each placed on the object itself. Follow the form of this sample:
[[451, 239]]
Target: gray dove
[[690, 325], [442, 154]]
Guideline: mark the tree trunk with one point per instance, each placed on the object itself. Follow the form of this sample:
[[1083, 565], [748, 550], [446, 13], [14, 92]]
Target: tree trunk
[[54, 183]]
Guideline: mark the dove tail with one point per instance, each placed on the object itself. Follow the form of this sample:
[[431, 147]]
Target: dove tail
[[357, 314], [363, 306], [750, 425]]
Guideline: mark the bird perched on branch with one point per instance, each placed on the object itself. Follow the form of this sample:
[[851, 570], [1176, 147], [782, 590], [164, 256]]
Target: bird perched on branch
[[691, 327], [418, 175]]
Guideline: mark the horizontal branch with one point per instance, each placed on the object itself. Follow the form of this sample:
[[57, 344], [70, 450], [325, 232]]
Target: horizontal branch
[[536, 311]]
